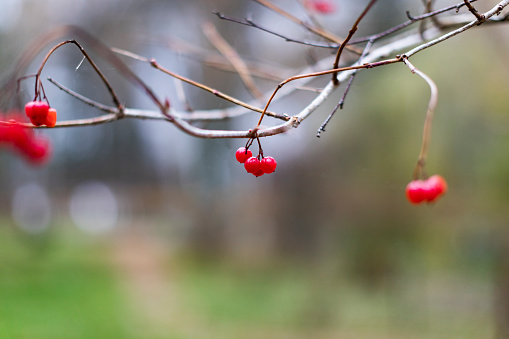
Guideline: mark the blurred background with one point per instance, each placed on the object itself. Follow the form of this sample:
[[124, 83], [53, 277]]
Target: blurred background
[[136, 230]]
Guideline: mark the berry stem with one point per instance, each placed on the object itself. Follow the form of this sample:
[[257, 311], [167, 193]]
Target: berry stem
[[260, 150], [426, 135]]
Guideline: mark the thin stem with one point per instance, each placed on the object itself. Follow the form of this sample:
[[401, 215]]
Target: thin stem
[[330, 71], [251, 23], [426, 135], [480, 17], [217, 93], [327, 35], [345, 42], [494, 11], [92, 63], [411, 21], [347, 89]]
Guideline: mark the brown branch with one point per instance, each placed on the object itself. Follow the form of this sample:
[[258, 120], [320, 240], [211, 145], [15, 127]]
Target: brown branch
[[217, 93], [480, 17], [350, 35], [330, 71], [114, 96]]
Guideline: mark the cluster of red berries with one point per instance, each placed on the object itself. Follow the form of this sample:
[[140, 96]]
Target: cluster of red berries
[[254, 165], [321, 6], [40, 113], [428, 190], [23, 140]]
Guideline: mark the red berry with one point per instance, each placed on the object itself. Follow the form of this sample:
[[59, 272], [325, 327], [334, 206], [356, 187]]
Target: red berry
[[436, 187], [415, 192], [252, 165], [428, 190], [51, 119], [321, 6], [268, 164], [14, 135], [243, 154], [23, 140], [259, 173], [38, 151], [37, 111]]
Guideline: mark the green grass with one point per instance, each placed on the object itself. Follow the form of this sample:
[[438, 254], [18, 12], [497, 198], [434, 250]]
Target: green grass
[[66, 285], [57, 287], [292, 302]]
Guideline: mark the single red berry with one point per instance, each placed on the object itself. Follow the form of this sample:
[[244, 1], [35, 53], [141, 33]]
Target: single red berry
[[51, 118], [321, 6], [252, 165], [436, 186], [14, 134], [20, 136], [268, 164], [23, 140], [243, 154], [38, 151], [415, 192], [259, 173]]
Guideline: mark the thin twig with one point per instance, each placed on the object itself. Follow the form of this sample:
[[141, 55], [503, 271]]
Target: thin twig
[[494, 11], [350, 35], [405, 24], [330, 71], [233, 57], [251, 23], [114, 96], [347, 89], [217, 93], [324, 34]]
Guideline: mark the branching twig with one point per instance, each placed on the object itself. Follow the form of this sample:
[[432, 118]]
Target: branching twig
[[327, 35], [251, 23], [350, 35], [382, 54]]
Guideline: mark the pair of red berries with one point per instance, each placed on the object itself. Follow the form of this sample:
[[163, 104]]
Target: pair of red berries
[[253, 165], [23, 140], [40, 113], [428, 190]]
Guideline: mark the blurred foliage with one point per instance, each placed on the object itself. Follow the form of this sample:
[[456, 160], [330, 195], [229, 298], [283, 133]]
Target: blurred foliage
[[66, 285]]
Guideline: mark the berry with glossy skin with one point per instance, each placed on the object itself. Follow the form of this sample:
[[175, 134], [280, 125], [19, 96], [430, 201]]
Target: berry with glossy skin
[[37, 111], [437, 186], [51, 119], [242, 155], [259, 173], [252, 165], [268, 164], [415, 192], [427, 190]]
